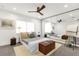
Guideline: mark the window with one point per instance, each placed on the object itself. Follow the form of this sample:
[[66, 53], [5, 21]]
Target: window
[[30, 27], [22, 26], [48, 27]]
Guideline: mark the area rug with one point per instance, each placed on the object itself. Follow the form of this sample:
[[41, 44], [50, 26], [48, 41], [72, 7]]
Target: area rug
[[23, 51]]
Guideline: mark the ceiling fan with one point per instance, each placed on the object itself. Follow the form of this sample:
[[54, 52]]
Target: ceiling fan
[[59, 20], [39, 9]]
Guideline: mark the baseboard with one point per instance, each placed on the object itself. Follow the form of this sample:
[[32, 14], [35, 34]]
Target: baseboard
[[4, 44]]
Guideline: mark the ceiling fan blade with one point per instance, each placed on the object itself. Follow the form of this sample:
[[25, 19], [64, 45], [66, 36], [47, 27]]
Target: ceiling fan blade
[[43, 6], [38, 8], [40, 13]]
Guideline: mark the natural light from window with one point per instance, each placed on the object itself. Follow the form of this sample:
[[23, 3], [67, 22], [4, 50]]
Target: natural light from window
[[22, 26], [30, 27], [48, 27]]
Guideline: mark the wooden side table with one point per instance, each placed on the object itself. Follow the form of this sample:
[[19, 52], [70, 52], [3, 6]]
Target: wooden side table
[[46, 47], [13, 41]]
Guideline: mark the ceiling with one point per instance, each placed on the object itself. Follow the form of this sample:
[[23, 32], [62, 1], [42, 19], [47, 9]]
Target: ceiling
[[51, 8]]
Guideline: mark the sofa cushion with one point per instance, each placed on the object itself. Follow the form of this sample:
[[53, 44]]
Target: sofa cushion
[[24, 35], [32, 35]]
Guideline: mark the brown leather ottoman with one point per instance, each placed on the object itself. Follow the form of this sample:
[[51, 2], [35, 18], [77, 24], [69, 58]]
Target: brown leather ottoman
[[46, 47]]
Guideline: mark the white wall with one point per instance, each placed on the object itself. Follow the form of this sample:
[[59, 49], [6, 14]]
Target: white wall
[[43, 28], [60, 29], [6, 34]]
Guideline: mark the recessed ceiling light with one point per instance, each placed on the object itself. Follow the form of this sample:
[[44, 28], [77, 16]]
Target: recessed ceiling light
[[65, 6], [14, 8]]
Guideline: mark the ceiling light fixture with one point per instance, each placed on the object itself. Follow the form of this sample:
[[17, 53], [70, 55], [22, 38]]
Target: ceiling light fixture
[[65, 6]]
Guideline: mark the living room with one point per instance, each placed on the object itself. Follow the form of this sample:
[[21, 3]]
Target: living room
[[35, 29]]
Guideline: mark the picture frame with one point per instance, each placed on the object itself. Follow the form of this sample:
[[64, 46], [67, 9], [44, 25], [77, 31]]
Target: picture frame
[[7, 23]]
